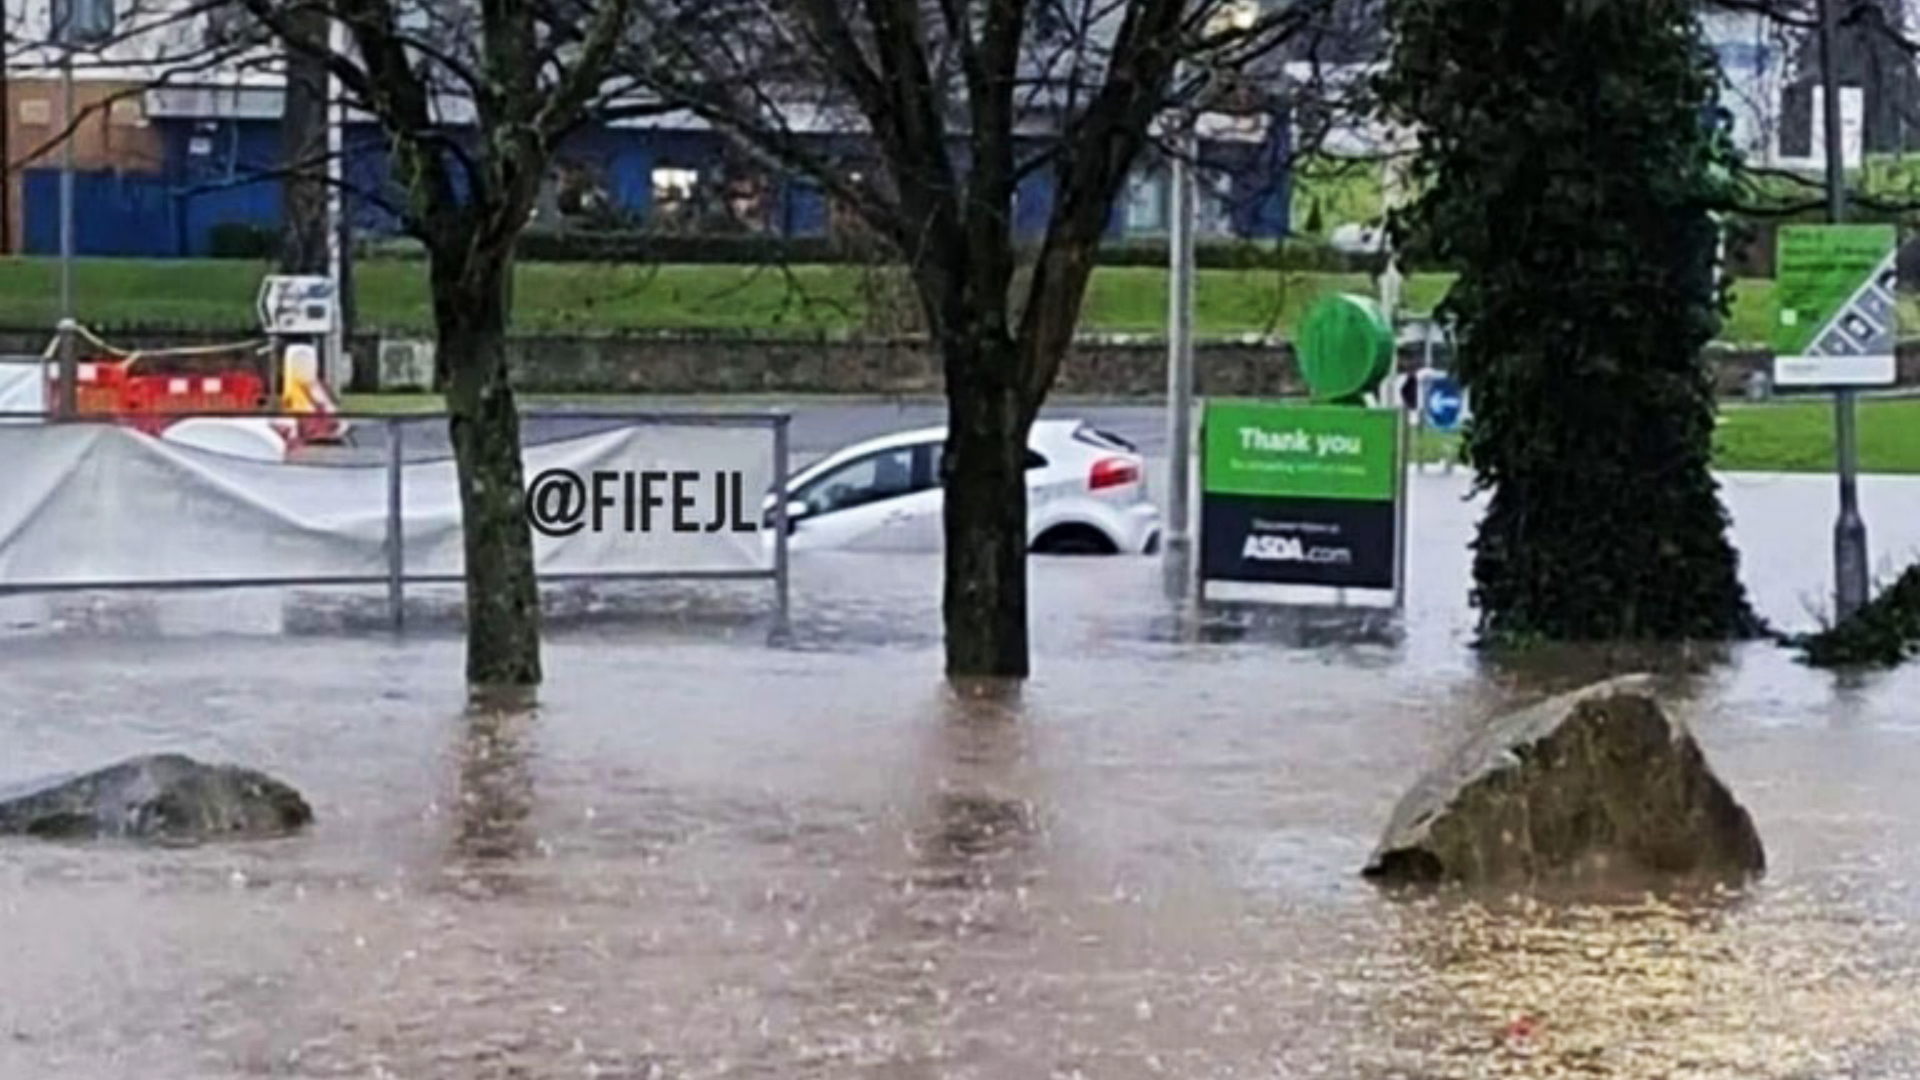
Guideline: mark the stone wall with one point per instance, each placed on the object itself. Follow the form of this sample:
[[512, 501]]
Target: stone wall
[[731, 364], [1103, 367]]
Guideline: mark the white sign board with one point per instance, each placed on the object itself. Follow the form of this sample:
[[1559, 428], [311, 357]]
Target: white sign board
[[1805, 371], [297, 305]]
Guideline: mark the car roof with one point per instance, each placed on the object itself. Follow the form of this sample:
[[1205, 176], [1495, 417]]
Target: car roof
[[1049, 428], [935, 434]]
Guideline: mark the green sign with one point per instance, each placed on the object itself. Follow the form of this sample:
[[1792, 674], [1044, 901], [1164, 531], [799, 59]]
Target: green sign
[[1300, 451], [1836, 304]]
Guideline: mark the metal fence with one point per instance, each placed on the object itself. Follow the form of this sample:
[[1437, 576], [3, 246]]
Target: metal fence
[[393, 449]]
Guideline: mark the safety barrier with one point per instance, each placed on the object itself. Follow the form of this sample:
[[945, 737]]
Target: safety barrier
[[151, 389], [96, 503]]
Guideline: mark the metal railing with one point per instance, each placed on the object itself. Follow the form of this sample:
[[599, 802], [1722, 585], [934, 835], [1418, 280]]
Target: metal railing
[[397, 577]]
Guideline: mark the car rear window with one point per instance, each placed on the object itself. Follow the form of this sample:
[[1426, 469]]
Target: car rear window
[[1035, 460], [1105, 440]]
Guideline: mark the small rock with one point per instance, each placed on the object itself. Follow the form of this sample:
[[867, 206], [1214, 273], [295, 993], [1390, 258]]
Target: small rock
[[164, 798]]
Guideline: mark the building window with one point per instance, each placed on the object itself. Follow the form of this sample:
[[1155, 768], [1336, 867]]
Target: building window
[[1214, 199], [673, 191], [1147, 203]]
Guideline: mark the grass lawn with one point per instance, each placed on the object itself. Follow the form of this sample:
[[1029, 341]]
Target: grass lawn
[[216, 297], [1790, 437]]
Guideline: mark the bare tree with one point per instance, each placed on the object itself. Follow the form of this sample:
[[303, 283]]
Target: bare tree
[[925, 118], [303, 142], [473, 97]]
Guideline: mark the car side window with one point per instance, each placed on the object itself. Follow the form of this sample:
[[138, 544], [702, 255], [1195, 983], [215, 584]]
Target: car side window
[[874, 478], [938, 454]]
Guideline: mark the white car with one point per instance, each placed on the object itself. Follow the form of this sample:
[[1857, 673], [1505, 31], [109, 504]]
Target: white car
[[1086, 495]]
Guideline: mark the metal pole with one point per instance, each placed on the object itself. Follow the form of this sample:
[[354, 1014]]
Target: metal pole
[[335, 357], [69, 364], [1178, 554], [6, 142], [1420, 380], [1402, 495], [782, 626], [396, 530], [1850, 531]]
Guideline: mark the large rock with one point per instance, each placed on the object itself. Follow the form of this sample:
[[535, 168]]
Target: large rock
[[1597, 784], [166, 798]]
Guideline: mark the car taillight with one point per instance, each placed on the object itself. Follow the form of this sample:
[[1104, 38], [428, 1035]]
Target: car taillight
[[1113, 472]]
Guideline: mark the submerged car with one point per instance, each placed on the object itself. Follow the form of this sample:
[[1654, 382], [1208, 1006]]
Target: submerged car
[[1086, 495]]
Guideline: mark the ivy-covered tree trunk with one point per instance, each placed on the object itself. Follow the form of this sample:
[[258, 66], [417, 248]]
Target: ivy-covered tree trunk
[[1568, 172], [503, 596]]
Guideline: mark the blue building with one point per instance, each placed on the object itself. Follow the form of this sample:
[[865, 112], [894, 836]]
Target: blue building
[[220, 152]]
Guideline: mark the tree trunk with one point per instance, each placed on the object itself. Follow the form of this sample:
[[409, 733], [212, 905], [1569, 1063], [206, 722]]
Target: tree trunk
[[303, 148], [983, 470], [503, 596]]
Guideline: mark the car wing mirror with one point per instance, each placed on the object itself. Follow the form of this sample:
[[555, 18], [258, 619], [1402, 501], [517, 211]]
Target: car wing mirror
[[796, 510]]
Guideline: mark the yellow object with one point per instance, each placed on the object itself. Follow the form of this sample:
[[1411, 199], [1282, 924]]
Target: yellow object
[[299, 370], [295, 398]]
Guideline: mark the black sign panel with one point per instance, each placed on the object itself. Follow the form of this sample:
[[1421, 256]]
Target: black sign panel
[[1341, 543]]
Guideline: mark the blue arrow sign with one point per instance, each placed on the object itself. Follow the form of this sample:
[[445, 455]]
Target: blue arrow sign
[[1445, 403]]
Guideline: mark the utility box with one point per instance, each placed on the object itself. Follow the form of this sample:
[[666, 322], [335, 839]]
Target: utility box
[[405, 364]]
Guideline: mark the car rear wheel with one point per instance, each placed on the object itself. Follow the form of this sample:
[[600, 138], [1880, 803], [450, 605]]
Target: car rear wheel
[[1074, 540]]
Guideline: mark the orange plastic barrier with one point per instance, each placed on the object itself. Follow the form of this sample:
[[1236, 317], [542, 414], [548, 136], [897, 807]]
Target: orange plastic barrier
[[117, 381]]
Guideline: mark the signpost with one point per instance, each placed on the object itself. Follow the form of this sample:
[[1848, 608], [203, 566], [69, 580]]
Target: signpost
[[1445, 404], [1836, 330], [1302, 495], [1312, 493]]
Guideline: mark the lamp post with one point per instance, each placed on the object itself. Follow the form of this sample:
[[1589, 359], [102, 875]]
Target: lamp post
[[1177, 550], [75, 22], [1178, 553], [69, 363], [1850, 531], [6, 142], [336, 352]]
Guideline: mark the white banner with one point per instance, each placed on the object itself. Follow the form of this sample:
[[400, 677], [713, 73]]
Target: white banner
[[99, 503]]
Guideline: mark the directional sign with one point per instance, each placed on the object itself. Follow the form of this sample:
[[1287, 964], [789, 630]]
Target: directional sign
[[1837, 306], [1446, 403], [296, 305]]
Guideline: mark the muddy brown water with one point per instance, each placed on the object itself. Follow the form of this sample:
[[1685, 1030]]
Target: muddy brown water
[[702, 857]]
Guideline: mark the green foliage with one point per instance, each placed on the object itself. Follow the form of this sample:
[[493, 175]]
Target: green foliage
[[1567, 175], [1329, 191], [1885, 633]]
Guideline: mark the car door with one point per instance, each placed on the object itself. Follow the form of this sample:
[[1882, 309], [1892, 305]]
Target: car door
[[916, 523], [934, 452], [857, 506]]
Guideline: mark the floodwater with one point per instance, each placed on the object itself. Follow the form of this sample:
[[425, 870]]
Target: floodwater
[[704, 857]]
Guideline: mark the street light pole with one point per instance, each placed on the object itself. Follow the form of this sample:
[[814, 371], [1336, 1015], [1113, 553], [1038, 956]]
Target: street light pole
[[333, 370], [1850, 531], [1178, 564], [6, 142], [69, 365]]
